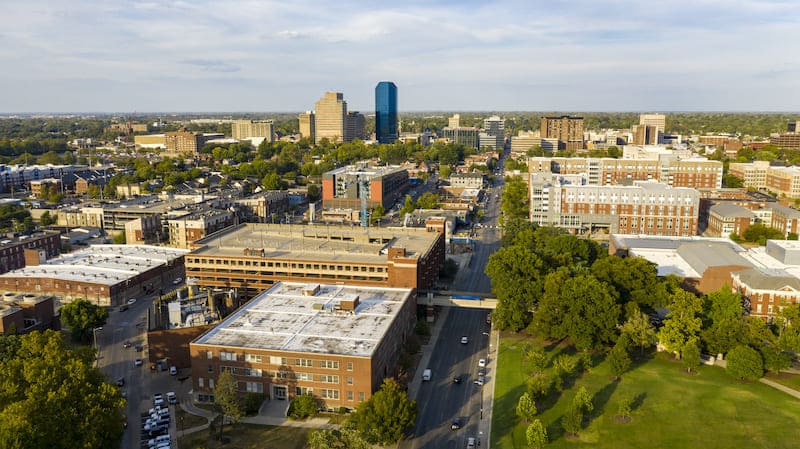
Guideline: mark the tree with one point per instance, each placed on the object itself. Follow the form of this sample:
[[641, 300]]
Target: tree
[[428, 200], [690, 356], [384, 418], [408, 206], [304, 406], [52, 397], [514, 203], [744, 362], [516, 274], [526, 407], [82, 317], [93, 191], [535, 357], [344, 438], [760, 233], [572, 420], [46, 219], [227, 399], [634, 278], [683, 321], [445, 171], [624, 407], [619, 360], [314, 193], [272, 181], [563, 366], [583, 401], [538, 385], [638, 330], [536, 435], [120, 239], [377, 213], [775, 359]]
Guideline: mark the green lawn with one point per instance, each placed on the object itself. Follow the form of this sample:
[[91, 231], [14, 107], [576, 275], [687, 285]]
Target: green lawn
[[671, 409], [790, 380], [249, 436]]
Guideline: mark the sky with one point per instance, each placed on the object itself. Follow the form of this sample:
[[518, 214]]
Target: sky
[[443, 55]]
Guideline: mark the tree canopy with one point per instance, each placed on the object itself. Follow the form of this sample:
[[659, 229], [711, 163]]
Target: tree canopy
[[81, 316], [386, 415]]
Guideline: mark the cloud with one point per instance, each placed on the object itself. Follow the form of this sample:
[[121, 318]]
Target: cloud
[[212, 65]]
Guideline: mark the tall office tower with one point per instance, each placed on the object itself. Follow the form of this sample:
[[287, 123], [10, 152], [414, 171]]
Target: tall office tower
[[246, 129], [496, 127], [657, 120], [386, 112], [454, 121], [645, 135], [354, 128], [330, 117], [792, 127], [307, 124], [568, 130]]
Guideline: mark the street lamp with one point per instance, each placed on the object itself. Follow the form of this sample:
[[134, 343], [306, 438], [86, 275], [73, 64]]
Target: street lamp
[[94, 343]]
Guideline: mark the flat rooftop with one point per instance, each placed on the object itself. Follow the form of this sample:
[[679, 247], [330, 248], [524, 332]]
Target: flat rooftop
[[101, 264], [285, 319], [316, 242], [369, 171]]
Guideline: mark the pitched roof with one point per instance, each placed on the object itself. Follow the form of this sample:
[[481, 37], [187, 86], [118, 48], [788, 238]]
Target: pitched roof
[[763, 279], [703, 255], [730, 210]]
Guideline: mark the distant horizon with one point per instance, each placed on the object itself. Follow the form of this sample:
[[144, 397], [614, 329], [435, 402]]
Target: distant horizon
[[431, 111], [68, 56]]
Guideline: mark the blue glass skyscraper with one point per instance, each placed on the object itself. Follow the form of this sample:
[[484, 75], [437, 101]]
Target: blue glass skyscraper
[[386, 112]]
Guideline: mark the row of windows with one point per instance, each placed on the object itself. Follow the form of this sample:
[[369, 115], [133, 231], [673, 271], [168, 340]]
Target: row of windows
[[306, 266], [274, 360], [251, 372]]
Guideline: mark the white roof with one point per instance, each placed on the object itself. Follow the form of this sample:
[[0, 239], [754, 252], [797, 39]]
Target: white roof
[[667, 261], [101, 264], [283, 318]]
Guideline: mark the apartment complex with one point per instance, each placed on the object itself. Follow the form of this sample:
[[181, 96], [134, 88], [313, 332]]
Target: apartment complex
[[786, 140], [185, 230], [262, 207], [568, 130], [647, 207], [16, 250], [252, 257], [345, 187], [386, 112], [659, 121], [107, 275], [19, 177], [726, 219], [186, 142], [250, 129], [645, 135], [784, 181], [494, 133], [334, 342], [697, 173]]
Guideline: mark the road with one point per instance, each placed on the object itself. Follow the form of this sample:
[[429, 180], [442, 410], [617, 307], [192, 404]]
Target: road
[[115, 361], [440, 401]]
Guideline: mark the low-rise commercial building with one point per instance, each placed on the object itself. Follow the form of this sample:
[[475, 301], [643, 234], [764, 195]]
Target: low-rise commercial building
[[334, 342], [727, 219], [345, 187], [23, 313], [17, 249], [185, 230], [252, 257]]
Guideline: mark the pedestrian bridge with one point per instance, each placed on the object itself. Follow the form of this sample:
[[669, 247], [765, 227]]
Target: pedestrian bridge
[[476, 300]]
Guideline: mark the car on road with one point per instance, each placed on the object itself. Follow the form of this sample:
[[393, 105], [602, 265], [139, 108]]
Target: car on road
[[456, 379], [464, 340], [480, 381], [132, 301], [173, 371], [482, 372], [123, 307], [456, 424], [127, 344], [177, 281], [137, 362], [482, 363], [172, 398], [471, 443], [120, 381]]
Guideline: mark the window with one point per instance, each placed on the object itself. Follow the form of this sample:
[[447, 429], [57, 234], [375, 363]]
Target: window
[[254, 387], [329, 379], [210, 368], [277, 360], [349, 395], [303, 362], [329, 364], [253, 358], [349, 380], [303, 390], [349, 366], [361, 396], [211, 383], [304, 376], [200, 382], [227, 356], [329, 394]]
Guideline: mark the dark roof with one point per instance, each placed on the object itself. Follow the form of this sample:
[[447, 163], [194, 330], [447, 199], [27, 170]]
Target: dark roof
[[768, 279], [704, 255]]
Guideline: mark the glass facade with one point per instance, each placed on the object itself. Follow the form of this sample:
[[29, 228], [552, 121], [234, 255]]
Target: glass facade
[[386, 112]]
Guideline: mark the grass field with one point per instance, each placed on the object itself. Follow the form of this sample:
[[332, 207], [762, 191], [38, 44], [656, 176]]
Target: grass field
[[249, 436], [790, 380], [672, 409]]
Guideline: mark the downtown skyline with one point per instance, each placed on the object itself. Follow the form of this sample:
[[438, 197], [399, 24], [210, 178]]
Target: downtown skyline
[[248, 56]]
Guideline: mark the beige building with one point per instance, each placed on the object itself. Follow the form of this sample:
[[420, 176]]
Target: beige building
[[524, 141], [783, 181], [150, 141], [186, 230], [129, 190], [307, 125], [568, 131], [657, 120], [330, 117], [753, 174], [247, 129], [143, 230]]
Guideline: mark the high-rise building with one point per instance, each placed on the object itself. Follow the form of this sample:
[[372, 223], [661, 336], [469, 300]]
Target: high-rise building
[[495, 127], [386, 112], [454, 121], [568, 130], [354, 128], [657, 120], [645, 135], [307, 128], [792, 127], [247, 129], [330, 117]]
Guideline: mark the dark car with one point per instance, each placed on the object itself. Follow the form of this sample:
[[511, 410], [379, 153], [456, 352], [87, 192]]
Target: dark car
[[456, 424], [456, 379], [127, 344], [120, 381]]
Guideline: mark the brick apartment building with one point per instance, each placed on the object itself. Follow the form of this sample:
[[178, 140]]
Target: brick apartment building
[[13, 248], [783, 181], [20, 314], [252, 257], [568, 130], [647, 207], [344, 187], [334, 342], [726, 219], [185, 230]]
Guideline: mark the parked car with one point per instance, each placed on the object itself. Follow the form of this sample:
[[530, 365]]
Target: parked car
[[137, 362], [131, 301], [482, 363], [456, 424], [471, 443], [172, 398], [464, 340], [127, 344], [173, 370], [457, 379], [480, 380], [177, 281], [120, 381]]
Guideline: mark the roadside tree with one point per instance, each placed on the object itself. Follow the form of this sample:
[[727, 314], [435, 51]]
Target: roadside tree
[[385, 417], [81, 316]]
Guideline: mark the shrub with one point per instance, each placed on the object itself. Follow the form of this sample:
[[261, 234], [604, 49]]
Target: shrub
[[302, 407], [252, 403], [745, 362]]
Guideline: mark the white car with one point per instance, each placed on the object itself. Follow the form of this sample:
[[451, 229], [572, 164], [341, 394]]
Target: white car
[[131, 301], [470, 443], [464, 340], [482, 363], [177, 281]]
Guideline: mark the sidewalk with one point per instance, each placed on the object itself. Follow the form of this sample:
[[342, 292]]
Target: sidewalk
[[780, 387], [427, 351]]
